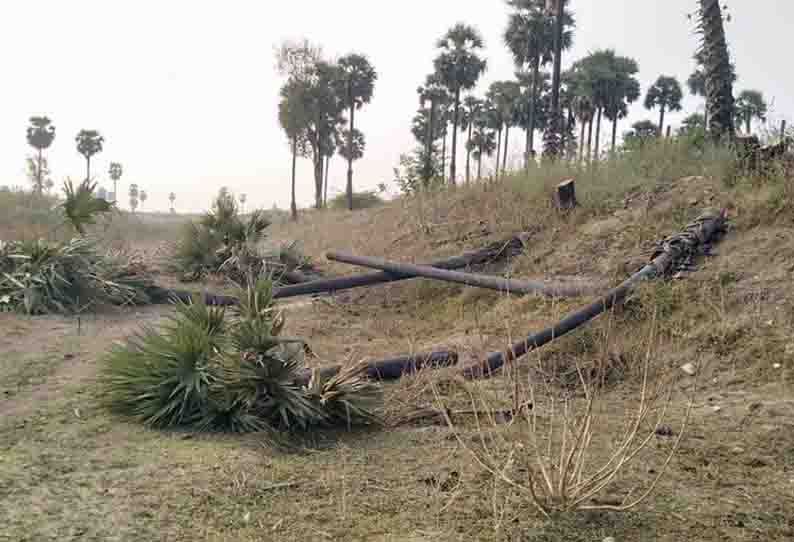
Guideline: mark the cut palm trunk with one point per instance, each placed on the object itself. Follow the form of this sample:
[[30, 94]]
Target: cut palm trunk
[[511, 286]]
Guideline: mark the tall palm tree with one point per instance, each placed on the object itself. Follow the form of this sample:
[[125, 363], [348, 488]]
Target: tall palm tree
[[292, 116], [483, 140], [89, 143], [172, 199], [717, 69], [351, 148], [530, 38], [243, 198], [437, 96], [40, 135], [552, 137], [472, 109], [115, 173], [666, 94], [134, 195], [583, 109], [750, 105], [357, 82], [143, 197], [459, 68]]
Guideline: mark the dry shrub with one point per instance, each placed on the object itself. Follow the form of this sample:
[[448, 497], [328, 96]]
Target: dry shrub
[[561, 449]]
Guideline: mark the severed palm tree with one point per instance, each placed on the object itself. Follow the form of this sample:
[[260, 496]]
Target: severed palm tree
[[459, 67], [356, 87], [40, 135], [666, 94], [750, 105], [89, 143]]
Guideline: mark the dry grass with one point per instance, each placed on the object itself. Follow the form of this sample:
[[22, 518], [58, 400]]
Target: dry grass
[[70, 471]]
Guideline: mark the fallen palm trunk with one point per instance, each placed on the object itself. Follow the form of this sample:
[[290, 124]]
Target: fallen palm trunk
[[399, 366], [495, 251], [672, 253], [501, 284]]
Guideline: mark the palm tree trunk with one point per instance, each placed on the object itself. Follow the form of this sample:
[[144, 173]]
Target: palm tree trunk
[[590, 141], [87, 168], [429, 145], [38, 176], [468, 153], [507, 139], [598, 135], [498, 150], [555, 81], [349, 160], [454, 158], [706, 117], [717, 67], [581, 142], [747, 123], [479, 165], [293, 205], [661, 120], [325, 187], [533, 98], [444, 156], [614, 133]]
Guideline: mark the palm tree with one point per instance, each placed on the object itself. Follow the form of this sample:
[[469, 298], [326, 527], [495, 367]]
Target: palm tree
[[89, 143], [351, 148], [552, 137], [292, 116], [143, 197], [482, 143], [242, 198], [134, 194], [750, 105], [641, 131], [437, 96], [717, 68], [472, 109], [530, 38], [584, 111], [172, 198], [115, 173], [665, 94], [40, 135], [459, 68], [357, 84]]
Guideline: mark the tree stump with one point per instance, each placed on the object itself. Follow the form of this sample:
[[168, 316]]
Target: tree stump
[[565, 195]]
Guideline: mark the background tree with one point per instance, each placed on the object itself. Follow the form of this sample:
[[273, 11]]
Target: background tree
[[89, 143], [552, 136], [665, 94], [133, 192], [750, 105], [641, 131], [292, 117], [143, 197], [172, 199], [433, 97], [459, 68], [38, 173], [40, 135], [115, 173], [242, 198], [472, 109], [357, 84], [102, 193], [530, 38], [717, 68], [353, 152], [483, 141]]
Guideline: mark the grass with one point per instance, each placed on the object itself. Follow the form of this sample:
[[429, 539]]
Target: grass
[[97, 477]]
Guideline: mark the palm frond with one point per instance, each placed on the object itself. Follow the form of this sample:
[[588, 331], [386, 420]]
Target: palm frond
[[81, 206]]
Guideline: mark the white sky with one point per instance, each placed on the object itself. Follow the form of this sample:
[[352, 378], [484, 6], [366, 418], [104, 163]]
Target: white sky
[[185, 91]]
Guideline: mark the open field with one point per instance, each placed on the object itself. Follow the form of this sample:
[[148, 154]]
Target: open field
[[69, 470]]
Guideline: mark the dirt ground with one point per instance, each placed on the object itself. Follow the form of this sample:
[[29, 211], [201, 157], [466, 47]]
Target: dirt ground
[[69, 470]]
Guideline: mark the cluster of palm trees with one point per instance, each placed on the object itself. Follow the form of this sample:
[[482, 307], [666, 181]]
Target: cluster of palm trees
[[41, 135], [600, 86], [314, 100]]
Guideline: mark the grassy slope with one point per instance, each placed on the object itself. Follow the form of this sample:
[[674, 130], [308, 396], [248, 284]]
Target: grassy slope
[[69, 471]]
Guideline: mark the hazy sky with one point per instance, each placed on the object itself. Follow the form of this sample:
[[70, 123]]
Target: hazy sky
[[185, 91]]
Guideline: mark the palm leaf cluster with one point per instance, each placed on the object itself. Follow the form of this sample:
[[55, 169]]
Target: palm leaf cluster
[[81, 206], [227, 242], [210, 370], [64, 277]]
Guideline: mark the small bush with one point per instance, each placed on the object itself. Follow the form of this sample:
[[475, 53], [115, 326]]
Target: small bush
[[361, 200]]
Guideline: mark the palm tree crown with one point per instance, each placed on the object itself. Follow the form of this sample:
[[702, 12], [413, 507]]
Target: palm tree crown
[[666, 94], [89, 143]]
